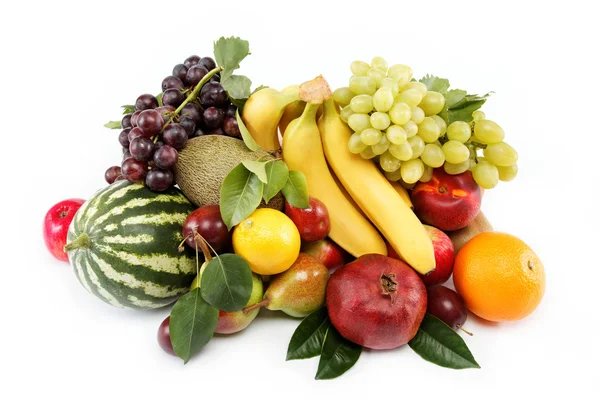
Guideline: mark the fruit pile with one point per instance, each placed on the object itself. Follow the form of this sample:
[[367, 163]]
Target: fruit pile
[[349, 209]]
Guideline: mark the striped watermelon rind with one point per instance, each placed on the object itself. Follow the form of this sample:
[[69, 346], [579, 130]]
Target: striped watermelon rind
[[130, 237]]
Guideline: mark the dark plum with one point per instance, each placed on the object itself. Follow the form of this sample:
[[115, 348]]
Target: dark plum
[[164, 337], [447, 305]]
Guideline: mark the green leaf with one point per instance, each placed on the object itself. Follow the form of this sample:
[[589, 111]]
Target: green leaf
[[227, 282], [454, 96], [438, 343], [237, 88], [257, 168], [241, 192], [463, 110], [277, 176], [435, 84], [246, 136], [229, 52], [128, 109], [295, 190], [193, 323], [113, 125], [307, 340], [337, 356]]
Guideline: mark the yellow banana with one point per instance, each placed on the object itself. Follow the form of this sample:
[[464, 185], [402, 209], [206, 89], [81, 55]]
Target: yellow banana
[[403, 193], [302, 151], [375, 195], [292, 110]]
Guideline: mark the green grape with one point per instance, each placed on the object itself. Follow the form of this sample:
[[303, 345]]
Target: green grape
[[429, 130], [382, 146], [433, 156], [393, 176], [486, 174], [488, 132], [345, 113], [367, 153], [362, 104], [359, 122], [433, 103], [363, 85], [380, 120], [379, 63], [417, 115], [383, 99], [441, 123], [478, 115], [388, 162], [407, 186], [342, 96], [402, 74], [459, 131], [390, 83], [400, 113], [396, 134], [359, 68], [507, 174], [402, 152], [355, 145], [412, 170], [472, 164], [417, 144], [421, 87], [411, 128], [427, 174], [501, 154], [456, 169], [412, 97], [376, 74], [370, 136], [455, 152]]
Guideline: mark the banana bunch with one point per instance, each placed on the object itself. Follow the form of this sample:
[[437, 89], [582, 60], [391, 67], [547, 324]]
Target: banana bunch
[[363, 205]]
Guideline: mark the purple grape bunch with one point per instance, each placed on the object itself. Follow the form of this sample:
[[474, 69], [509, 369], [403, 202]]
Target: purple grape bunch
[[153, 134]]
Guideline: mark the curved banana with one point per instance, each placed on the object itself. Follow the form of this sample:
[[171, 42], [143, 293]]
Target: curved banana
[[302, 151], [292, 110], [375, 195], [403, 193]]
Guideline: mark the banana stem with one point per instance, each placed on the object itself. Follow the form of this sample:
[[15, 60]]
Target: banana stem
[[310, 112], [315, 91]]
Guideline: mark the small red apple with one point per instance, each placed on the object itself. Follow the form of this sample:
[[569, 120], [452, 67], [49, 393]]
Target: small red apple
[[56, 226], [312, 222], [448, 202], [328, 252]]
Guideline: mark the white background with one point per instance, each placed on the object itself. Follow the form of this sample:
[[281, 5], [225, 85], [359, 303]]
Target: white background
[[66, 69]]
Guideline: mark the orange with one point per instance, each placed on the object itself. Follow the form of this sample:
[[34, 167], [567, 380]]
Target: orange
[[268, 240], [499, 277]]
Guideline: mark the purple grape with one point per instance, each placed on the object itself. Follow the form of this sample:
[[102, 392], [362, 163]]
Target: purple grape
[[165, 112], [218, 131], [159, 180], [188, 124], [230, 111], [172, 82], [126, 121], [142, 148], [173, 97], [213, 95], [213, 117], [191, 61], [146, 102], [158, 145], [195, 74], [150, 122], [175, 136], [120, 178], [193, 111], [126, 154], [207, 63], [231, 128], [198, 132], [166, 157], [112, 174], [134, 170], [124, 137], [180, 71], [134, 133], [215, 78], [134, 118]]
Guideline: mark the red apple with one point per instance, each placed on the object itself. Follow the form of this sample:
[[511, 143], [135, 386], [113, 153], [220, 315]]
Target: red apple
[[312, 222], [448, 202], [56, 226], [443, 251], [208, 223], [328, 252]]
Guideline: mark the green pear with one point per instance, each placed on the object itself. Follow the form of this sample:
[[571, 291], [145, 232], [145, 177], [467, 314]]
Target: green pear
[[298, 291]]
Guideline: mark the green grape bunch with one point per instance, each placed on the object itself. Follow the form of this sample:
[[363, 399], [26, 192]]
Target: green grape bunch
[[401, 124]]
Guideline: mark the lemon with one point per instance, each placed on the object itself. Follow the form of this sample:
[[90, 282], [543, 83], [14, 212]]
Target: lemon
[[268, 240]]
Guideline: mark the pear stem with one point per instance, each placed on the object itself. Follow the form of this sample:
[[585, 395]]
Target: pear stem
[[263, 303], [82, 242], [200, 241], [464, 330]]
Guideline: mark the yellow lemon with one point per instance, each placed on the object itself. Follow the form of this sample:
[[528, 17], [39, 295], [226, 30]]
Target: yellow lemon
[[268, 240]]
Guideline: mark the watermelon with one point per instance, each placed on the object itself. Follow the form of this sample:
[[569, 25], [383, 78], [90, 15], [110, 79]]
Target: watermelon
[[123, 245]]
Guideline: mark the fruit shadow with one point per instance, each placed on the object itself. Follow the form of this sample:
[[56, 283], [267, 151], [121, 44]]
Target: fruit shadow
[[480, 321]]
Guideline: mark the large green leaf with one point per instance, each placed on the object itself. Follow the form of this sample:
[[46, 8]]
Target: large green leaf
[[307, 340], [229, 52], [227, 282], [438, 343], [277, 175], [258, 168], [295, 190], [241, 193], [337, 356]]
